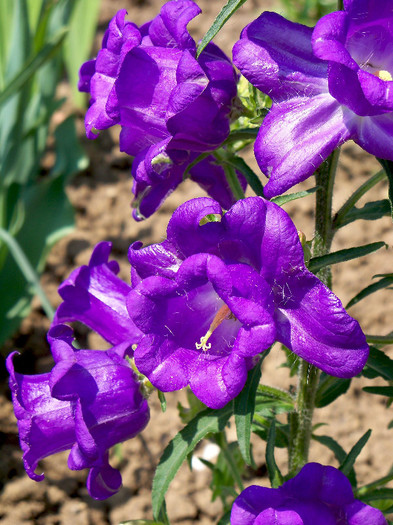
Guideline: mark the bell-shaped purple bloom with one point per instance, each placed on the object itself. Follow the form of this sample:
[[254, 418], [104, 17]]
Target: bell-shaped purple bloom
[[328, 85], [96, 297], [214, 295], [89, 402], [317, 495], [171, 105]]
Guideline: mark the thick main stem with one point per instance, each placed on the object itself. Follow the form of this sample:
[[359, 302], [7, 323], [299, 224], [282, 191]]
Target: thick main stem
[[308, 375]]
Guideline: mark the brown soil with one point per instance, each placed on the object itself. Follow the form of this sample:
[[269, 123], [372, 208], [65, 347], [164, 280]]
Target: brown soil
[[101, 198]]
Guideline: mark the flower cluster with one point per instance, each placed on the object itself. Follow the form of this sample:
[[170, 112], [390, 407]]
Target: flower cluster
[[328, 85], [317, 495], [230, 279], [171, 105]]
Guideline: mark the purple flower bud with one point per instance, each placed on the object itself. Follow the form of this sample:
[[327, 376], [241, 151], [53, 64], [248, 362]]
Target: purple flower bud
[[171, 105], [328, 85], [89, 402], [316, 495], [214, 295]]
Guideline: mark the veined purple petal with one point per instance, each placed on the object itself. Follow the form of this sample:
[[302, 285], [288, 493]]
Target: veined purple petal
[[119, 38], [329, 39], [276, 56], [312, 322], [297, 136], [374, 134], [358, 513], [144, 85], [169, 28], [95, 296]]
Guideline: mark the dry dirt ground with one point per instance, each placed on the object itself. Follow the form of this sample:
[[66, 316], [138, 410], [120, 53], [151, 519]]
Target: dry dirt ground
[[101, 197]]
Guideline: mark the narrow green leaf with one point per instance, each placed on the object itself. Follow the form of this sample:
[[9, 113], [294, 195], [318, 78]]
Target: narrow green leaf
[[208, 421], [349, 461], [244, 406], [31, 66], [388, 167], [261, 426], [338, 451], [372, 288], [225, 14], [340, 217], [371, 211], [275, 476], [283, 199], [329, 389], [379, 390], [6, 12], [242, 134], [275, 393], [79, 41], [379, 364], [317, 263], [251, 177]]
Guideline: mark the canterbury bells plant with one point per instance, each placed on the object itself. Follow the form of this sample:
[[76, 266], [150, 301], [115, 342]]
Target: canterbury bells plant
[[233, 278]]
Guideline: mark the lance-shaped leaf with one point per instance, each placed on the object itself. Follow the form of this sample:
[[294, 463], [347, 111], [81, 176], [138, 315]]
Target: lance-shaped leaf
[[379, 285], [275, 476], [378, 365], [225, 14], [244, 406], [317, 263], [388, 167], [208, 421], [349, 461]]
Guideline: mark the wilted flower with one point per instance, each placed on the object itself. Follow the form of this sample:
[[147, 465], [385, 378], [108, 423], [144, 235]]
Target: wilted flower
[[221, 289], [328, 85], [89, 402], [318, 495], [171, 105]]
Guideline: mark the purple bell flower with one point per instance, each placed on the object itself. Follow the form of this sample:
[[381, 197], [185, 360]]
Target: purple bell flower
[[96, 297], [171, 106], [316, 495], [214, 295], [89, 402], [328, 85]]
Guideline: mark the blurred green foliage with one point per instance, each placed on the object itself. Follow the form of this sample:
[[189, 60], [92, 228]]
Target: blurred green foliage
[[40, 41], [307, 12]]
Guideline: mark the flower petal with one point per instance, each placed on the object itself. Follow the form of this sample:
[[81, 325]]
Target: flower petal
[[95, 296], [169, 28], [374, 134], [312, 322], [296, 137], [276, 56]]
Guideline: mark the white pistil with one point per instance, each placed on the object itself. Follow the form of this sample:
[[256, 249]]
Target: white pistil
[[222, 314]]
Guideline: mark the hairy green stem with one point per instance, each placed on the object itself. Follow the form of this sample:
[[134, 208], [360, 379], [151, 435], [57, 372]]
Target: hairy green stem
[[308, 375]]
